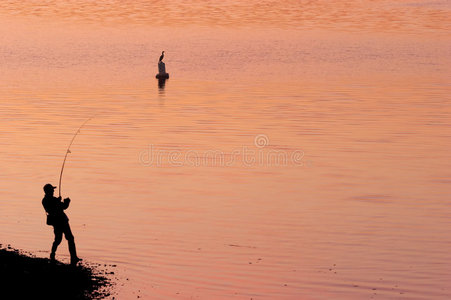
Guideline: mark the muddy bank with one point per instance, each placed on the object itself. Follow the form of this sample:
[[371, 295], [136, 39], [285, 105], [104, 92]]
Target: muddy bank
[[24, 276]]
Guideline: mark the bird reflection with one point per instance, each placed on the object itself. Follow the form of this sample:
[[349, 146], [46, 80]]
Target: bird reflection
[[161, 85]]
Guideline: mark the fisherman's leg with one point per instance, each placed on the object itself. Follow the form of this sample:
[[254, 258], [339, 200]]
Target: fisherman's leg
[[58, 237], [71, 242]]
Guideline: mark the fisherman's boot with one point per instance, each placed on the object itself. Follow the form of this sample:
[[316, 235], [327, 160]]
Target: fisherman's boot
[[52, 257], [74, 260]]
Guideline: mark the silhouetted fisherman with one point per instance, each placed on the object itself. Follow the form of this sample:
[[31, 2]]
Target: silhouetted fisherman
[[60, 222], [161, 57]]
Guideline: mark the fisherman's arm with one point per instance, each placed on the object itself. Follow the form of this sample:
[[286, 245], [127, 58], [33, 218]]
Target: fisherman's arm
[[65, 203]]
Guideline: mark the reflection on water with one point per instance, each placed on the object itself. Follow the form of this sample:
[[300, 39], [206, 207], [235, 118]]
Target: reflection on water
[[284, 164], [356, 15], [161, 85]]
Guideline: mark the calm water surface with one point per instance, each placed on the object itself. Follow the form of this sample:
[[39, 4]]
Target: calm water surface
[[298, 151]]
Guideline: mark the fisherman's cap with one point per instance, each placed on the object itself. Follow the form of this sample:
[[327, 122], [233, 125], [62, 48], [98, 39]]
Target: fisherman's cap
[[49, 187]]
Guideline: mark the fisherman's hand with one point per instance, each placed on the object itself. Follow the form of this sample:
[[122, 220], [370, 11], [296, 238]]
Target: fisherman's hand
[[67, 200], [59, 198]]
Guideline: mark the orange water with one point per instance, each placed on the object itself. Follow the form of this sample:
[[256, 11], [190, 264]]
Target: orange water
[[300, 149]]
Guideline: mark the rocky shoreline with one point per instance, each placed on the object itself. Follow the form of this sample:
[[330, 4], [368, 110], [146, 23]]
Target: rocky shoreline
[[24, 276]]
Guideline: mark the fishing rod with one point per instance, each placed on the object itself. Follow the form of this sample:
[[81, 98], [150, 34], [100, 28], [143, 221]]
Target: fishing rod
[[67, 152]]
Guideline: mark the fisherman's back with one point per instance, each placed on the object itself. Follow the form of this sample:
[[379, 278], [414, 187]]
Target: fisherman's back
[[55, 208]]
